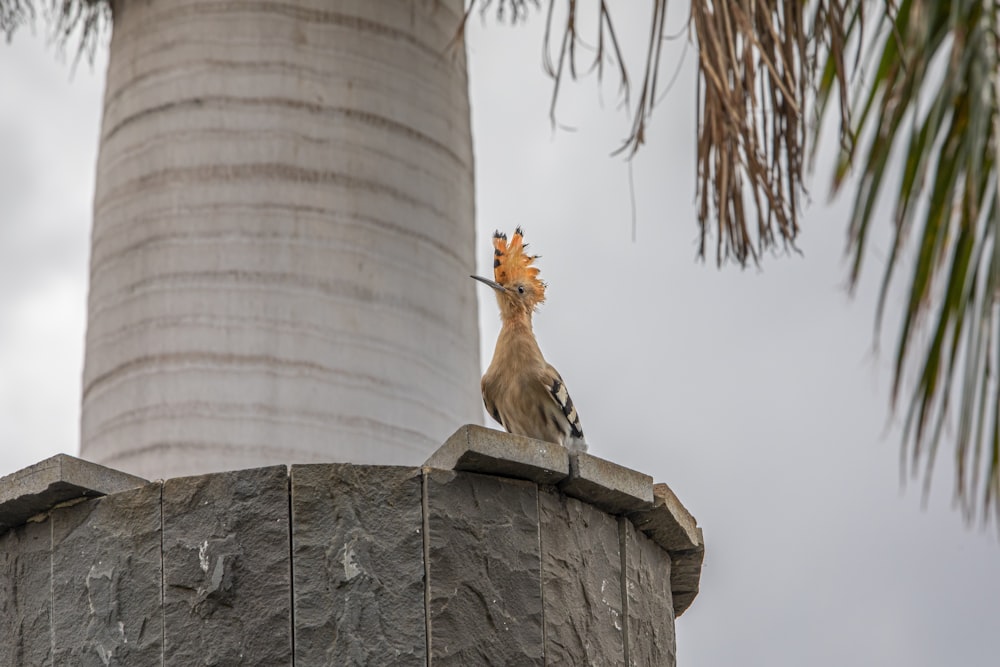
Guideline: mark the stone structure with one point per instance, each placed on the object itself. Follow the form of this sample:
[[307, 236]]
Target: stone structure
[[501, 550]]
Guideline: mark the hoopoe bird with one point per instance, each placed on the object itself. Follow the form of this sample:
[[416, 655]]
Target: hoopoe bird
[[521, 390]]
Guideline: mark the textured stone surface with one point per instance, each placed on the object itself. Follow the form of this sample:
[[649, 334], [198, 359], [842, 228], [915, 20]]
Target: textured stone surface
[[226, 569], [581, 582], [668, 522], [649, 605], [613, 488], [685, 576], [358, 565], [515, 574], [42, 486], [477, 449], [485, 582], [106, 580], [25, 568]]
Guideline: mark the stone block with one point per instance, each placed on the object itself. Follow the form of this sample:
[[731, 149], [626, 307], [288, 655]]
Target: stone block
[[42, 486], [667, 522], [25, 600], [485, 603], [106, 586], [648, 600], [685, 576], [685, 571], [226, 569], [358, 563], [613, 488], [476, 449], [581, 582]]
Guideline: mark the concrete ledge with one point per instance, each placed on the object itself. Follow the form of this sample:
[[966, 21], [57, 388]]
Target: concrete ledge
[[668, 522], [476, 449], [614, 488], [41, 487]]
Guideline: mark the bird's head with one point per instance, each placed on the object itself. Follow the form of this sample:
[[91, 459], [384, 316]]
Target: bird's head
[[518, 288]]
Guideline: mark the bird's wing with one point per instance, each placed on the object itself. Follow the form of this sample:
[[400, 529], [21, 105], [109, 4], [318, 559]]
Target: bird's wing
[[557, 391], [491, 406]]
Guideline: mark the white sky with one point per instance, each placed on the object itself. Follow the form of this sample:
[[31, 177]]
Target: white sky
[[755, 394]]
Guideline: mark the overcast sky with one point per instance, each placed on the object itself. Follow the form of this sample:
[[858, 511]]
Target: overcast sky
[[755, 394]]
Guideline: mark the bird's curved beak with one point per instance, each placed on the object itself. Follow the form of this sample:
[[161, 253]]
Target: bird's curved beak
[[492, 283]]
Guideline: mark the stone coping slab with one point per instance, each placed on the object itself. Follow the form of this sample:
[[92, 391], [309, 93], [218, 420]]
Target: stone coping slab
[[477, 449], [654, 509], [61, 478], [614, 488], [668, 522]]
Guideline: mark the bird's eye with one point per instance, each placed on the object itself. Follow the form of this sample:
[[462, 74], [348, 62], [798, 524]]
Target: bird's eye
[[520, 289]]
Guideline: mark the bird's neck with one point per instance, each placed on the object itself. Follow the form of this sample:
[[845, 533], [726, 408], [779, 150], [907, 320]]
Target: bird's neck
[[516, 342], [516, 324]]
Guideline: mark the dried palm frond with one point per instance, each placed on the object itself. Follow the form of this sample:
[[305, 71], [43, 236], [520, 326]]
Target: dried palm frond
[[751, 91], [86, 19], [751, 134]]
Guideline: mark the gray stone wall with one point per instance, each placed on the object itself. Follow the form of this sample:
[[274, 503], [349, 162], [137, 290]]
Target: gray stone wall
[[338, 564]]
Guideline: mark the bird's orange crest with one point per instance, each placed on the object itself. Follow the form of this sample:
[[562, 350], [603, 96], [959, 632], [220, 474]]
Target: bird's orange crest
[[512, 265]]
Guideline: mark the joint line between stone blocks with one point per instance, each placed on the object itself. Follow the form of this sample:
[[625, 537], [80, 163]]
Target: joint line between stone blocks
[[52, 588], [426, 524], [291, 568], [622, 546], [541, 566], [163, 597]]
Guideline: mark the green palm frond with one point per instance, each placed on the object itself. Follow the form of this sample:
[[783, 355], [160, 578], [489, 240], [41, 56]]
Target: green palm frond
[[930, 98]]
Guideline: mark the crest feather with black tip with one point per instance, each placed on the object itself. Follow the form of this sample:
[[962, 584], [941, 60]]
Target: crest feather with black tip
[[511, 265]]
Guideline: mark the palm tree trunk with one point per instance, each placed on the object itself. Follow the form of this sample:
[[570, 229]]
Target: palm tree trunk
[[283, 233]]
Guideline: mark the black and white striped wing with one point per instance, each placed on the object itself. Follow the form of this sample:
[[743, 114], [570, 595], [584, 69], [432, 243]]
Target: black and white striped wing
[[557, 390]]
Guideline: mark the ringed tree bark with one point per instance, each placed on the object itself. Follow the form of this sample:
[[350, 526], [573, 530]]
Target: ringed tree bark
[[283, 230]]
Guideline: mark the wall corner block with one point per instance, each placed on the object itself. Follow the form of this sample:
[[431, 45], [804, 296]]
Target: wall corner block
[[56, 480], [669, 524]]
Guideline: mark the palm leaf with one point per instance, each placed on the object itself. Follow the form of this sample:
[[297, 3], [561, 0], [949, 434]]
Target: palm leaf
[[933, 100]]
